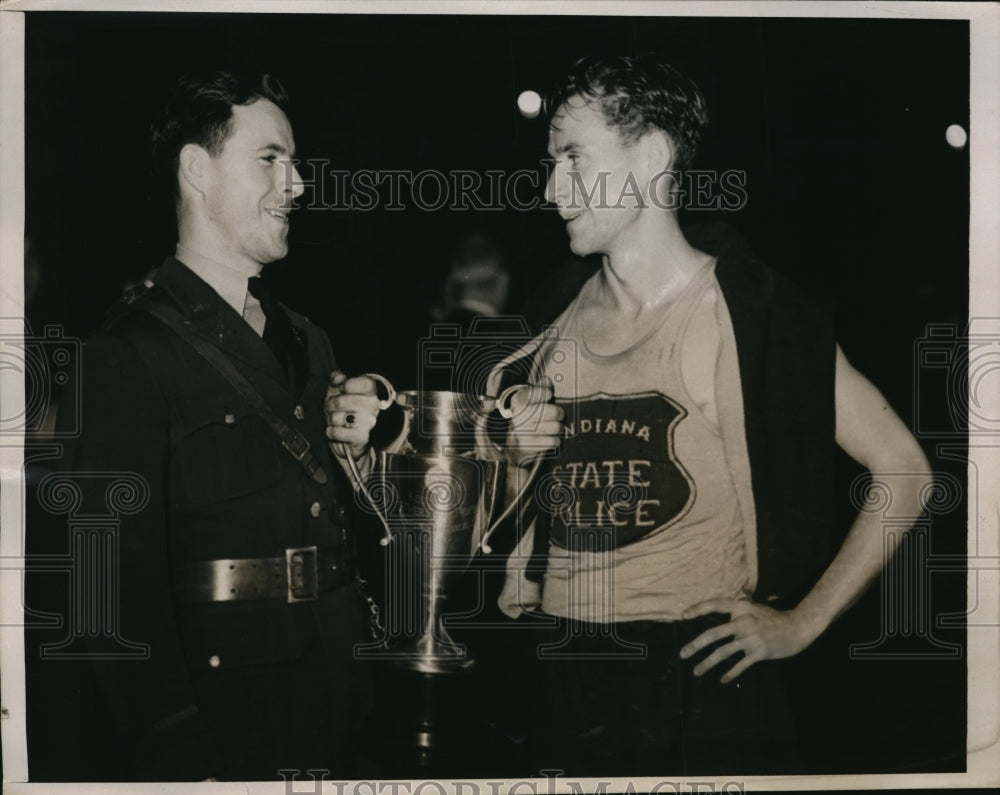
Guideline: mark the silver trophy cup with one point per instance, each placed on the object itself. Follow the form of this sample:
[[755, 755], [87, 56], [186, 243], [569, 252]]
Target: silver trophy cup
[[438, 492]]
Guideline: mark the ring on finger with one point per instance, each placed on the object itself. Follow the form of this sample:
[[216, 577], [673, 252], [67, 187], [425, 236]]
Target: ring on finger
[[349, 420]]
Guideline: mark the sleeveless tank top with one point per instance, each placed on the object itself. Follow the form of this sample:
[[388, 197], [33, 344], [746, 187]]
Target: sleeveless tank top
[[642, 505]]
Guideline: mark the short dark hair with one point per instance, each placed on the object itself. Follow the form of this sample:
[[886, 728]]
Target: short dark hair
[[635, 94], [199, 110]]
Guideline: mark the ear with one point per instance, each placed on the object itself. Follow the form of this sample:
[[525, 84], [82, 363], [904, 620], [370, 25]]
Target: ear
[[659, 151], [192, 167], [659, 154]]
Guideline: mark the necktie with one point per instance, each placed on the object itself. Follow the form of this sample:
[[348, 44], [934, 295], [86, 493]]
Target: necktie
[[276, 327], [253, 313]]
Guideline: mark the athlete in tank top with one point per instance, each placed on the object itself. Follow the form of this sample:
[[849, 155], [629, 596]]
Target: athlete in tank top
[[649, 506]]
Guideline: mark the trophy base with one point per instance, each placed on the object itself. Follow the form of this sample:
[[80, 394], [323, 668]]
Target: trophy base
[[433, 665], [431, 656], [425, 727]]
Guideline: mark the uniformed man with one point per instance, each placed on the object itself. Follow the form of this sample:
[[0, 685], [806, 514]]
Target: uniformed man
[[235, 564]]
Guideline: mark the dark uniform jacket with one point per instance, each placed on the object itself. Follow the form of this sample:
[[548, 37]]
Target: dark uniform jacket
[[230, 689]]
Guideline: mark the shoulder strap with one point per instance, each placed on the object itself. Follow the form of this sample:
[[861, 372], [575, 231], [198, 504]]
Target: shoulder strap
[[293, 441]]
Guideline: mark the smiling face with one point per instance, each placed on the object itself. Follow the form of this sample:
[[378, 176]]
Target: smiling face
[[249, 187], [598, 182]]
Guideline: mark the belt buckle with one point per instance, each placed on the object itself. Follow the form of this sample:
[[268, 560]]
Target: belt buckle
[[296, 444], [302, 571]]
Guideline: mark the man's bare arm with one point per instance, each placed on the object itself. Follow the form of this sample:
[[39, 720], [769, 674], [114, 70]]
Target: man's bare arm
[[873, 435]]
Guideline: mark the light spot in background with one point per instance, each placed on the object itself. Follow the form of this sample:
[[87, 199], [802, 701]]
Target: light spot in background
[[529, 103], [955, 135]]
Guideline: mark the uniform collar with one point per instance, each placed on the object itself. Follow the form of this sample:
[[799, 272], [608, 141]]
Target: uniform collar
[[229, 283], [192, 294], [215, 320]]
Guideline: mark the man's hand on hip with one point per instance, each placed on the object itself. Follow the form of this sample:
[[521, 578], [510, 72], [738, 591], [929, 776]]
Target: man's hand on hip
[[759, 631]]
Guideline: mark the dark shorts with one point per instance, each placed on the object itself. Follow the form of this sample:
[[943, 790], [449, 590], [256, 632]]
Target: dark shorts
[[617, 699]]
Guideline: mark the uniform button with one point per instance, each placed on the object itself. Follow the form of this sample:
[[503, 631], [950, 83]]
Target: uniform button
[[299, 413], [342, 512], [214, 661], [230, 419], [148, 283], [314, 509]]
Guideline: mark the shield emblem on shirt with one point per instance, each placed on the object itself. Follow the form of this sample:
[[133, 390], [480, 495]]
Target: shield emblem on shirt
[[617, 478]]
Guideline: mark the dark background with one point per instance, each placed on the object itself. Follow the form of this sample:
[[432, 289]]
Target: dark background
[[853, 192]]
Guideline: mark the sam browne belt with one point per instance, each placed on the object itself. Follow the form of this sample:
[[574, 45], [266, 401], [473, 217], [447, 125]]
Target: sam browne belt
[[301, 575]]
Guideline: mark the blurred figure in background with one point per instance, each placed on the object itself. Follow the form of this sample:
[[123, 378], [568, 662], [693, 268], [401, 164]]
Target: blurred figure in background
[[478, 281]]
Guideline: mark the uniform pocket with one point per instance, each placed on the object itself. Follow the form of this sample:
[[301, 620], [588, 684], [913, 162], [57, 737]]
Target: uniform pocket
[[230, 457]]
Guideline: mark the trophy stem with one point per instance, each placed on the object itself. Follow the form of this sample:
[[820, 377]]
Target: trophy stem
[[432, 653], [423, 725]]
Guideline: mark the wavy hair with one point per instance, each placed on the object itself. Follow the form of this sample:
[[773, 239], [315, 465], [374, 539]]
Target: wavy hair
[[199, 110], [635, 94]]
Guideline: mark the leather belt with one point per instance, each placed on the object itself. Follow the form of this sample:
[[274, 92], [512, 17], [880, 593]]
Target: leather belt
[[301, 575]]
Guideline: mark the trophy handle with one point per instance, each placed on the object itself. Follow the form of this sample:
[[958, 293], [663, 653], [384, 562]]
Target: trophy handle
[[352, 465], [389, 389], [510, 508], [503, 400], [503, 407]]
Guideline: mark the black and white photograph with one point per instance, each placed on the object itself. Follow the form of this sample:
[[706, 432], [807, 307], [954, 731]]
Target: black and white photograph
[[499, 397]]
